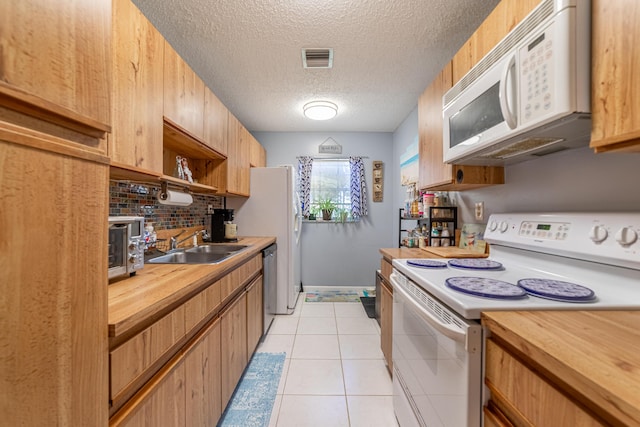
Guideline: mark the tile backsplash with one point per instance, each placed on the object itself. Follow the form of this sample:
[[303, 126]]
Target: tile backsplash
[[127, 198]]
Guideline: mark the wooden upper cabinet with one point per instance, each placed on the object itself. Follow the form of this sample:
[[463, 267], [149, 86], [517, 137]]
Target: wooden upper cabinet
[[257, 153], [55, 62], [433, 173], [616, 76], [136, 139], [432, 169], [237, 163], [216, 117], [506, 15], [183, 94]]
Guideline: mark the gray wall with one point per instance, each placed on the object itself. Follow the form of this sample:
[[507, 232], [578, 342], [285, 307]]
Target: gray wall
[[347, 255], [404, 136], [573, 180], [341, 254]]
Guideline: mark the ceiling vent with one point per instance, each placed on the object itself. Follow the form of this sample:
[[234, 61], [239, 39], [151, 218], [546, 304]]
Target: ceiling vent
[[317, 58]]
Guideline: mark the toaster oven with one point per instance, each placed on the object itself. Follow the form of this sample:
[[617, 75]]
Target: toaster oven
[[126, 245]]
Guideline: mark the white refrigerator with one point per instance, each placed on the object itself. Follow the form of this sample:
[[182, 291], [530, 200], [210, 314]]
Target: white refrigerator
[[273, 209]]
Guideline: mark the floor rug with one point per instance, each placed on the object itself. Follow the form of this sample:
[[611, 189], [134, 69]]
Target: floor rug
[[332, 296], [369, 304], [252, 402]]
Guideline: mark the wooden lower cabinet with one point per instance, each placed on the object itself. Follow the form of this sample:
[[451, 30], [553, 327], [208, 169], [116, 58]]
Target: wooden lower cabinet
[[386, 322], [183, 368], [233, 324], [203, 399], [255, 316], [186, 392], [525, 397]]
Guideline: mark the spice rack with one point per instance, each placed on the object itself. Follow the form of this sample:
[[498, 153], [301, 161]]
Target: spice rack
[[401, 230], [443, 217]]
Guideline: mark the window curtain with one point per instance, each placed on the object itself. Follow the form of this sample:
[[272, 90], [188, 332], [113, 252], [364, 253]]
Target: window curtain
[[304, 183], [358, 188]]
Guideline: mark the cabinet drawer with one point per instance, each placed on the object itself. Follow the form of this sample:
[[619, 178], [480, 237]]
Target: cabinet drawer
[[525, 397], [239, 277], [129, 361], [200, 306]]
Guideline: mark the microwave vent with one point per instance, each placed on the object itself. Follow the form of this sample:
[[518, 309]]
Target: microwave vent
[[538, 15], [521, 147], [317, 58]]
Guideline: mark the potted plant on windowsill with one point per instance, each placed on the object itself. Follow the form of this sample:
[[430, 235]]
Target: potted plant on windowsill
[[327, 207], [342, 215]]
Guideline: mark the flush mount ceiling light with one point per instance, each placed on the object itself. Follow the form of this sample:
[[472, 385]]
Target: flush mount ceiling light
[[320, 110]]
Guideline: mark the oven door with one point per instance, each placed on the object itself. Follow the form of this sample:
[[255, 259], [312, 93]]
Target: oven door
[[437, 363]]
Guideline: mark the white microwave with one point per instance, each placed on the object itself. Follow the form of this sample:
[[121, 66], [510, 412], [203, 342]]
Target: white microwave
[[529, 96]]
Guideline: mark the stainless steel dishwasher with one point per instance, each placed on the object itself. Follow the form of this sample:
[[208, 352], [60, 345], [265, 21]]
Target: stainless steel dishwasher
[[269, 290]]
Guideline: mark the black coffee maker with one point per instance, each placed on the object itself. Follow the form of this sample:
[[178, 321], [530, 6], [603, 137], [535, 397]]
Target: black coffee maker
[[221, 222]]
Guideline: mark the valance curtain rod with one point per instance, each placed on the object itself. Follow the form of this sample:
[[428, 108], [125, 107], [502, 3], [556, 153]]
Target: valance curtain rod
[[334, 158]]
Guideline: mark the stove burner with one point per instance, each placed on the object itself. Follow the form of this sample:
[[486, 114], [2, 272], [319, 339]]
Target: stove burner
[[557, 290], [475, 264], [426, 263], [485, 287]]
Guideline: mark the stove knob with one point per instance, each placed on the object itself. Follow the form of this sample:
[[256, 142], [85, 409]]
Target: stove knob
[[504, 225], [598, 234], [626, 236], [133, 258], [493, 225]]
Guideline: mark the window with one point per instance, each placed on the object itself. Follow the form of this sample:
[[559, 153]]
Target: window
[[330, 179]]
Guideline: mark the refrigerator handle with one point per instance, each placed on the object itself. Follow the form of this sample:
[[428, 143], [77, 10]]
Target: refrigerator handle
[[298, 220]]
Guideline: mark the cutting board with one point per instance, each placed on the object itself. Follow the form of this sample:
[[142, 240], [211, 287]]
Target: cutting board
[[453, 252]]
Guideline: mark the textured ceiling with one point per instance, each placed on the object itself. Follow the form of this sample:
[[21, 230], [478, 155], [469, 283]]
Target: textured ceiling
[[249, 53]]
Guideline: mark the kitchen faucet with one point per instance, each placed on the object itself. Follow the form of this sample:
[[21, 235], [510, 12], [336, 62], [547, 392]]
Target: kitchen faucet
[[175, 242]]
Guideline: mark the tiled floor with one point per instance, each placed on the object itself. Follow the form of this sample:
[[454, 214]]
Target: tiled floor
[[334, 374]]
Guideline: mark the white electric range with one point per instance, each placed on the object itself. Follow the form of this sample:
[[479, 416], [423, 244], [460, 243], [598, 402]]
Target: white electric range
[[570, 261]]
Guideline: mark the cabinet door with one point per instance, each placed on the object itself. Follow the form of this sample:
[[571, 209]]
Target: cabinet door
[[506, 15], [202, 384], [258, 155], [216, 118], [615, 80], [237, 158], [136, 139], [54, 284], [55, 56], [432, 169], [162, 405], [183, 94], [386, 323], [233, 342], [527, 398], [254, 314]]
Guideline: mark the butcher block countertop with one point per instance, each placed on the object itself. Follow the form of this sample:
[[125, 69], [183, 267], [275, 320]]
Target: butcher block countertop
[[137, 301], [595, 354], [399, 253], [429, 252]]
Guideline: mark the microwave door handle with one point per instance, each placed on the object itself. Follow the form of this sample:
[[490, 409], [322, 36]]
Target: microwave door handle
[[508, 113], [446, 330]]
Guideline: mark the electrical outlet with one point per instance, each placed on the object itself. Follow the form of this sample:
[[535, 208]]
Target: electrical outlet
[[479, 211], [209, 209]]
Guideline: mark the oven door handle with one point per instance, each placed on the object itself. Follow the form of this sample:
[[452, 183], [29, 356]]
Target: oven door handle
[[447, 330]]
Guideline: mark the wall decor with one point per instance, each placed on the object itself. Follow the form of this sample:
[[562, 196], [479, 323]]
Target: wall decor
[[409, 164], [377, 181], [330, 146]]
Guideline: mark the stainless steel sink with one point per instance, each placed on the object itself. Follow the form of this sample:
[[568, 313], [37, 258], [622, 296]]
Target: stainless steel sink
[[216, 249], [202, 254]]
